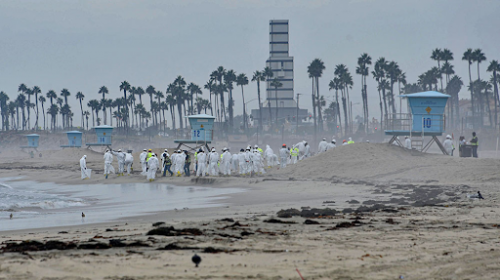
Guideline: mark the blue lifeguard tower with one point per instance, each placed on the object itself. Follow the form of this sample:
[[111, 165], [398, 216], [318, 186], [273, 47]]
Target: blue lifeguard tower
[[425, 118], [104, 134], [32, 141], [202, 126], [74, 139]]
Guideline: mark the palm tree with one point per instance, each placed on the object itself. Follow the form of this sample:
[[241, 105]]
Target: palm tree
[[125, 86], [268, 74], [276, 84], [437, 55], [86, 115], [364, 71], [60, 102], [159, 95], [150, 90], [65, 93], [392, 72], [4, 108], [80, 97], [379, 75], [12, 110], [25, 90], [242, 80], [36, 90], [336, 84], [209, 85], [478, 56], [170, 101], [179, 94], [103, 90], [21, 102], [219, 74], [494, 67], [258, 77], [193, 89], [51, 95], [469, 57], [453, 88], [53, 111], [229, 79], [42, 100], [316, 69], [93, 104]]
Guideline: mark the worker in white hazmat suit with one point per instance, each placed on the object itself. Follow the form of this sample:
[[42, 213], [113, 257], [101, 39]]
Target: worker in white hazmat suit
[[129, 160], [248, 158], [242, 162], [153, 165], [268, 154], [108, 160], [322, 146], [120, 156], [407, 143], [332, 145], [83, 167], [284, 154], [307, 150], [202, 164], [448, 145], [144, 164], [213, 159], [301, 147], [180, 160], [258, 166], [226, 163], [234, 163]]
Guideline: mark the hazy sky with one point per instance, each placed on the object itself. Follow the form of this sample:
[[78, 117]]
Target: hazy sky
[[83, 45]]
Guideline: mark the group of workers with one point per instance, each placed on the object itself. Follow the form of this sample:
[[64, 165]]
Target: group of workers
[[450, 147]]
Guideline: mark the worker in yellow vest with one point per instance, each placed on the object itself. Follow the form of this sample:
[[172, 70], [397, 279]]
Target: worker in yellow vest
[[350, 141], [294, 153], [150, 154]]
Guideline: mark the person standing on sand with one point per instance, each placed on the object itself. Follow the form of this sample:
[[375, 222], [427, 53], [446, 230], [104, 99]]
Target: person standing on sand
[[83, 167], [226, 162], [144, 164], [475, 144], [129, 160], [407, 143], [213, 159], [284, 154], [187, 163], [202, 163], [108, 160], [153, 166], [322, 146], [120, 156], [448, 145], [242, 161]]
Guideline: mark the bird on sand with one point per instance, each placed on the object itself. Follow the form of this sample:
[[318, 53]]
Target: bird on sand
[[83, 215], [11, 216], [196, 259]]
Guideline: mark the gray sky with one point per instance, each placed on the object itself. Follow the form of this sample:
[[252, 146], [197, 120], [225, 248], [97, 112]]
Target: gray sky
[[83, 45]]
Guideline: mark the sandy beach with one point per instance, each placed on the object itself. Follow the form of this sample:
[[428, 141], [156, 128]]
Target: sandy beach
[[363, 211]]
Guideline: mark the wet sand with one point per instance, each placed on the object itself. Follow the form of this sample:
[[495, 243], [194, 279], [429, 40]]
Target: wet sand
[[393, 215]]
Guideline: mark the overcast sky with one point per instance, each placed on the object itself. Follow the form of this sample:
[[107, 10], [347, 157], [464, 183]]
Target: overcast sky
[[83, 45]]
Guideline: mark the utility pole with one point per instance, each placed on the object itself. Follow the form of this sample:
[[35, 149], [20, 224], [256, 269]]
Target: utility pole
[[297, 117]]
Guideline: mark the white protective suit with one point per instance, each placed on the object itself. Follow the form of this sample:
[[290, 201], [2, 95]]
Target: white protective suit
[[242, 162], [284, 154], [248, 159], [144, 165], [234, 163], [268, 154], [202, 164], [307, 151], [322, 146], [301, 147], [153, 165], [331, 146], [129, 160], [108, 161], [83, 167], [173, 158], [120, 156], [213, 159], [258, 165], [408, 143], [448, 145], [180, 159], [226, 163]]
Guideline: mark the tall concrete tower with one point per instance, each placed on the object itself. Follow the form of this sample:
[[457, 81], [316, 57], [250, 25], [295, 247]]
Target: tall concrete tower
[[281, 63]]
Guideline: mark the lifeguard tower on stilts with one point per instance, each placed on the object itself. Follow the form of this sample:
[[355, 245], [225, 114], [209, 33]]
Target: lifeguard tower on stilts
[[425, 118], [201, 133], [104, 135]]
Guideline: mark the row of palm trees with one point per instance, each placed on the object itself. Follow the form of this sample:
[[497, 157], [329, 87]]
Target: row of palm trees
[[387, 73]]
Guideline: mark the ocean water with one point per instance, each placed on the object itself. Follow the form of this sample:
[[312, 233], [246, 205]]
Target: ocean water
[[40, 205]]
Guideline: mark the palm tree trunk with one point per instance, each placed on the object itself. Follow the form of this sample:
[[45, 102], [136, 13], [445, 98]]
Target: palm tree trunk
[[385, 102], [179, 109], [320, 116], [344, 104], [43, 111], [244, 111], [211, 107], [338, 109], [260, 106], [381, 109], [110, 116], [276, 101], [314, 109]]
